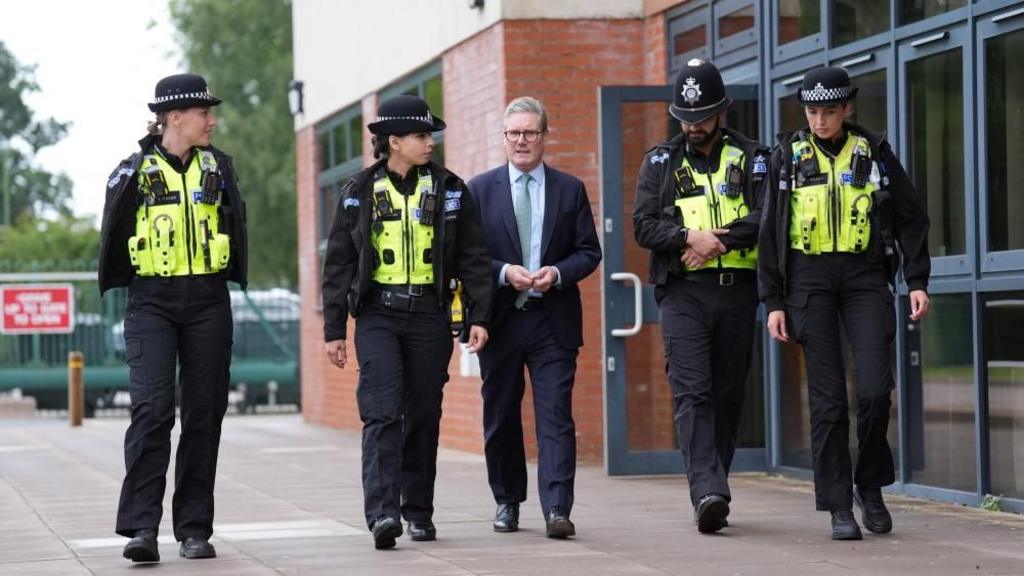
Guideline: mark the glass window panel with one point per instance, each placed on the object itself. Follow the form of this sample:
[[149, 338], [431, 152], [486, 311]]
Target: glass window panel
[[798, 19], [1004, 106], [796, 417], [432, 93], [856, 19], [355, 134], [340, 143], [325, 150], [936, 126], [914, 10], [735, 22], [744, 114], [1004, 357], [871, 108], [791, 114], [690, 40], [940, 395]]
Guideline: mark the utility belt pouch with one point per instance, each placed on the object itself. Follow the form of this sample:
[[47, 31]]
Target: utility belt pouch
[[808, 214], [140, 256]]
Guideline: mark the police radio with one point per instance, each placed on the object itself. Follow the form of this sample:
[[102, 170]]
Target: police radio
[[428, 206], [734, 181], [860, 166]]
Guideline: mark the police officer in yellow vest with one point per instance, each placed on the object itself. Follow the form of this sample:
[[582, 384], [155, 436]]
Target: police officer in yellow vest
[[174, 233], [698, 206], [838, 208], [405, 231]]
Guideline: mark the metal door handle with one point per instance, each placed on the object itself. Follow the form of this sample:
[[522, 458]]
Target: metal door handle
[[638, 304]]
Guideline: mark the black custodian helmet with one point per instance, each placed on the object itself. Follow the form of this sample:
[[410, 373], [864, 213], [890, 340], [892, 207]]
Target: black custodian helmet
[[826, 86], [405, 114], [699, 92]]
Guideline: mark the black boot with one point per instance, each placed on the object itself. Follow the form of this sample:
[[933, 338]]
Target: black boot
[[143, 547], [875, 515], [385, 530], [844, 526]]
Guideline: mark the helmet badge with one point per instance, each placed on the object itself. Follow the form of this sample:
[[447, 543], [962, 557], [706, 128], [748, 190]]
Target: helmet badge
[[691, 91]]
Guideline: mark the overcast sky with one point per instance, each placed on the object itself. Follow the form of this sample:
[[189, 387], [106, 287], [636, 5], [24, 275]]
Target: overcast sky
[[97, 63]]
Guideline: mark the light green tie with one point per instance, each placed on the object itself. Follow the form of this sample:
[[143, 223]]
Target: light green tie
[[524, 215]]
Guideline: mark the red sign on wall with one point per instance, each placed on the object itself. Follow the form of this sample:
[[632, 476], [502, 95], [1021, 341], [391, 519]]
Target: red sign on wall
[[37, 308]]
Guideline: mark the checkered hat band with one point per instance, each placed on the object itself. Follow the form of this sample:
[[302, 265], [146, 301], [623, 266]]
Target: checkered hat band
[[821, 94], [187, 95], [428, 118]]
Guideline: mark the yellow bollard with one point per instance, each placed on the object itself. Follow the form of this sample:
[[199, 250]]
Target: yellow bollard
[[76, 387]]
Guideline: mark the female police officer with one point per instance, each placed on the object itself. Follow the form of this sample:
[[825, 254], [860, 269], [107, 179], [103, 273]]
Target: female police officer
[[174, 233], [405, 231], [838, 207]]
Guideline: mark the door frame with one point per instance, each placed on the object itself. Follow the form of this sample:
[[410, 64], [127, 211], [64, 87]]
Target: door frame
[[624, 297]]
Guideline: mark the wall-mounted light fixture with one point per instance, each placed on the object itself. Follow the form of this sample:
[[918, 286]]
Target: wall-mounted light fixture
[[295, 97], [475, 4]]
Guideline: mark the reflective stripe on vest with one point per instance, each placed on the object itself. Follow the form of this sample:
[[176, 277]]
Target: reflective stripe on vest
[[712, 205], [177, 223], [402, 246], [829, 211]]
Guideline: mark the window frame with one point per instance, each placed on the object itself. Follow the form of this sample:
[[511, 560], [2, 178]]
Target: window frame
[[997, 260]]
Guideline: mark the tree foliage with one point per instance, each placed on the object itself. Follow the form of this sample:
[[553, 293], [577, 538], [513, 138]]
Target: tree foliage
[[31, 189], [244, 50], [32, 240]]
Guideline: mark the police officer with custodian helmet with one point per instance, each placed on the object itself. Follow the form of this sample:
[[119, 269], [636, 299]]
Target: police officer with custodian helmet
[[174, 233], [405, 234], [698, 208]]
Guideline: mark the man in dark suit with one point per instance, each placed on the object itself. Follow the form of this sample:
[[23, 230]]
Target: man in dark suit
[[540, 231]]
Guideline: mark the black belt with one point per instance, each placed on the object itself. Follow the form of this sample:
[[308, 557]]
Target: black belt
[[411, 297], [720, 277]]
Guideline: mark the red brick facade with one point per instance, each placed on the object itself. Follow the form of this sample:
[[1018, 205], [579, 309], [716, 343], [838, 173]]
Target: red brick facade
[[562, 63]]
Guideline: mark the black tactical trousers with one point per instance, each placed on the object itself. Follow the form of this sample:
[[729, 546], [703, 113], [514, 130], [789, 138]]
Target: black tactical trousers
[[403, 366], [708, 332], [182, 320], [822, 290]]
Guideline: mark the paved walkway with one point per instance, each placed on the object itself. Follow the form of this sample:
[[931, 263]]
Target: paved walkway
[[289, 502]]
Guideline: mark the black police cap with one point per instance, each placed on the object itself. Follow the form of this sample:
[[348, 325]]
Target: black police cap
[[826, 86], [405, 115], [699, 92], [182, 91]]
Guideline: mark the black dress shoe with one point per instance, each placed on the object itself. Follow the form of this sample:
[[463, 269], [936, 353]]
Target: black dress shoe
[[558, 524], [385, 530], [711, 512], [196, 548], [506, 518], [422, 531], [142, 547], [875, 515], [844, 527]]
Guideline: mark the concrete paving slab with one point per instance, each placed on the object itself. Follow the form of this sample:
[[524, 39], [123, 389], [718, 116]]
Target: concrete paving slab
[[289, 501]]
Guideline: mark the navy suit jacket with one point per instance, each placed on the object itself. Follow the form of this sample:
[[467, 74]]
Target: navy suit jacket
[[568, 242]]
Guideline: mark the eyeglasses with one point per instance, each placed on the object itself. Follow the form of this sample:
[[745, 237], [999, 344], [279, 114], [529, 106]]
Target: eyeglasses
[[529, 135]]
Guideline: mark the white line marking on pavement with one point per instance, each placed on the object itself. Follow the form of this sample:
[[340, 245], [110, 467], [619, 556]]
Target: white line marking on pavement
[[243, 532]]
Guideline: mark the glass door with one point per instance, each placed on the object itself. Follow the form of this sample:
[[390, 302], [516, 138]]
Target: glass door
[[640, 431]]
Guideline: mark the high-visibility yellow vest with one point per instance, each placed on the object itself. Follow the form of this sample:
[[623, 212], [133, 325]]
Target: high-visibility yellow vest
[[830, 208], [177, 224], [715, 200], [402, 244]]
